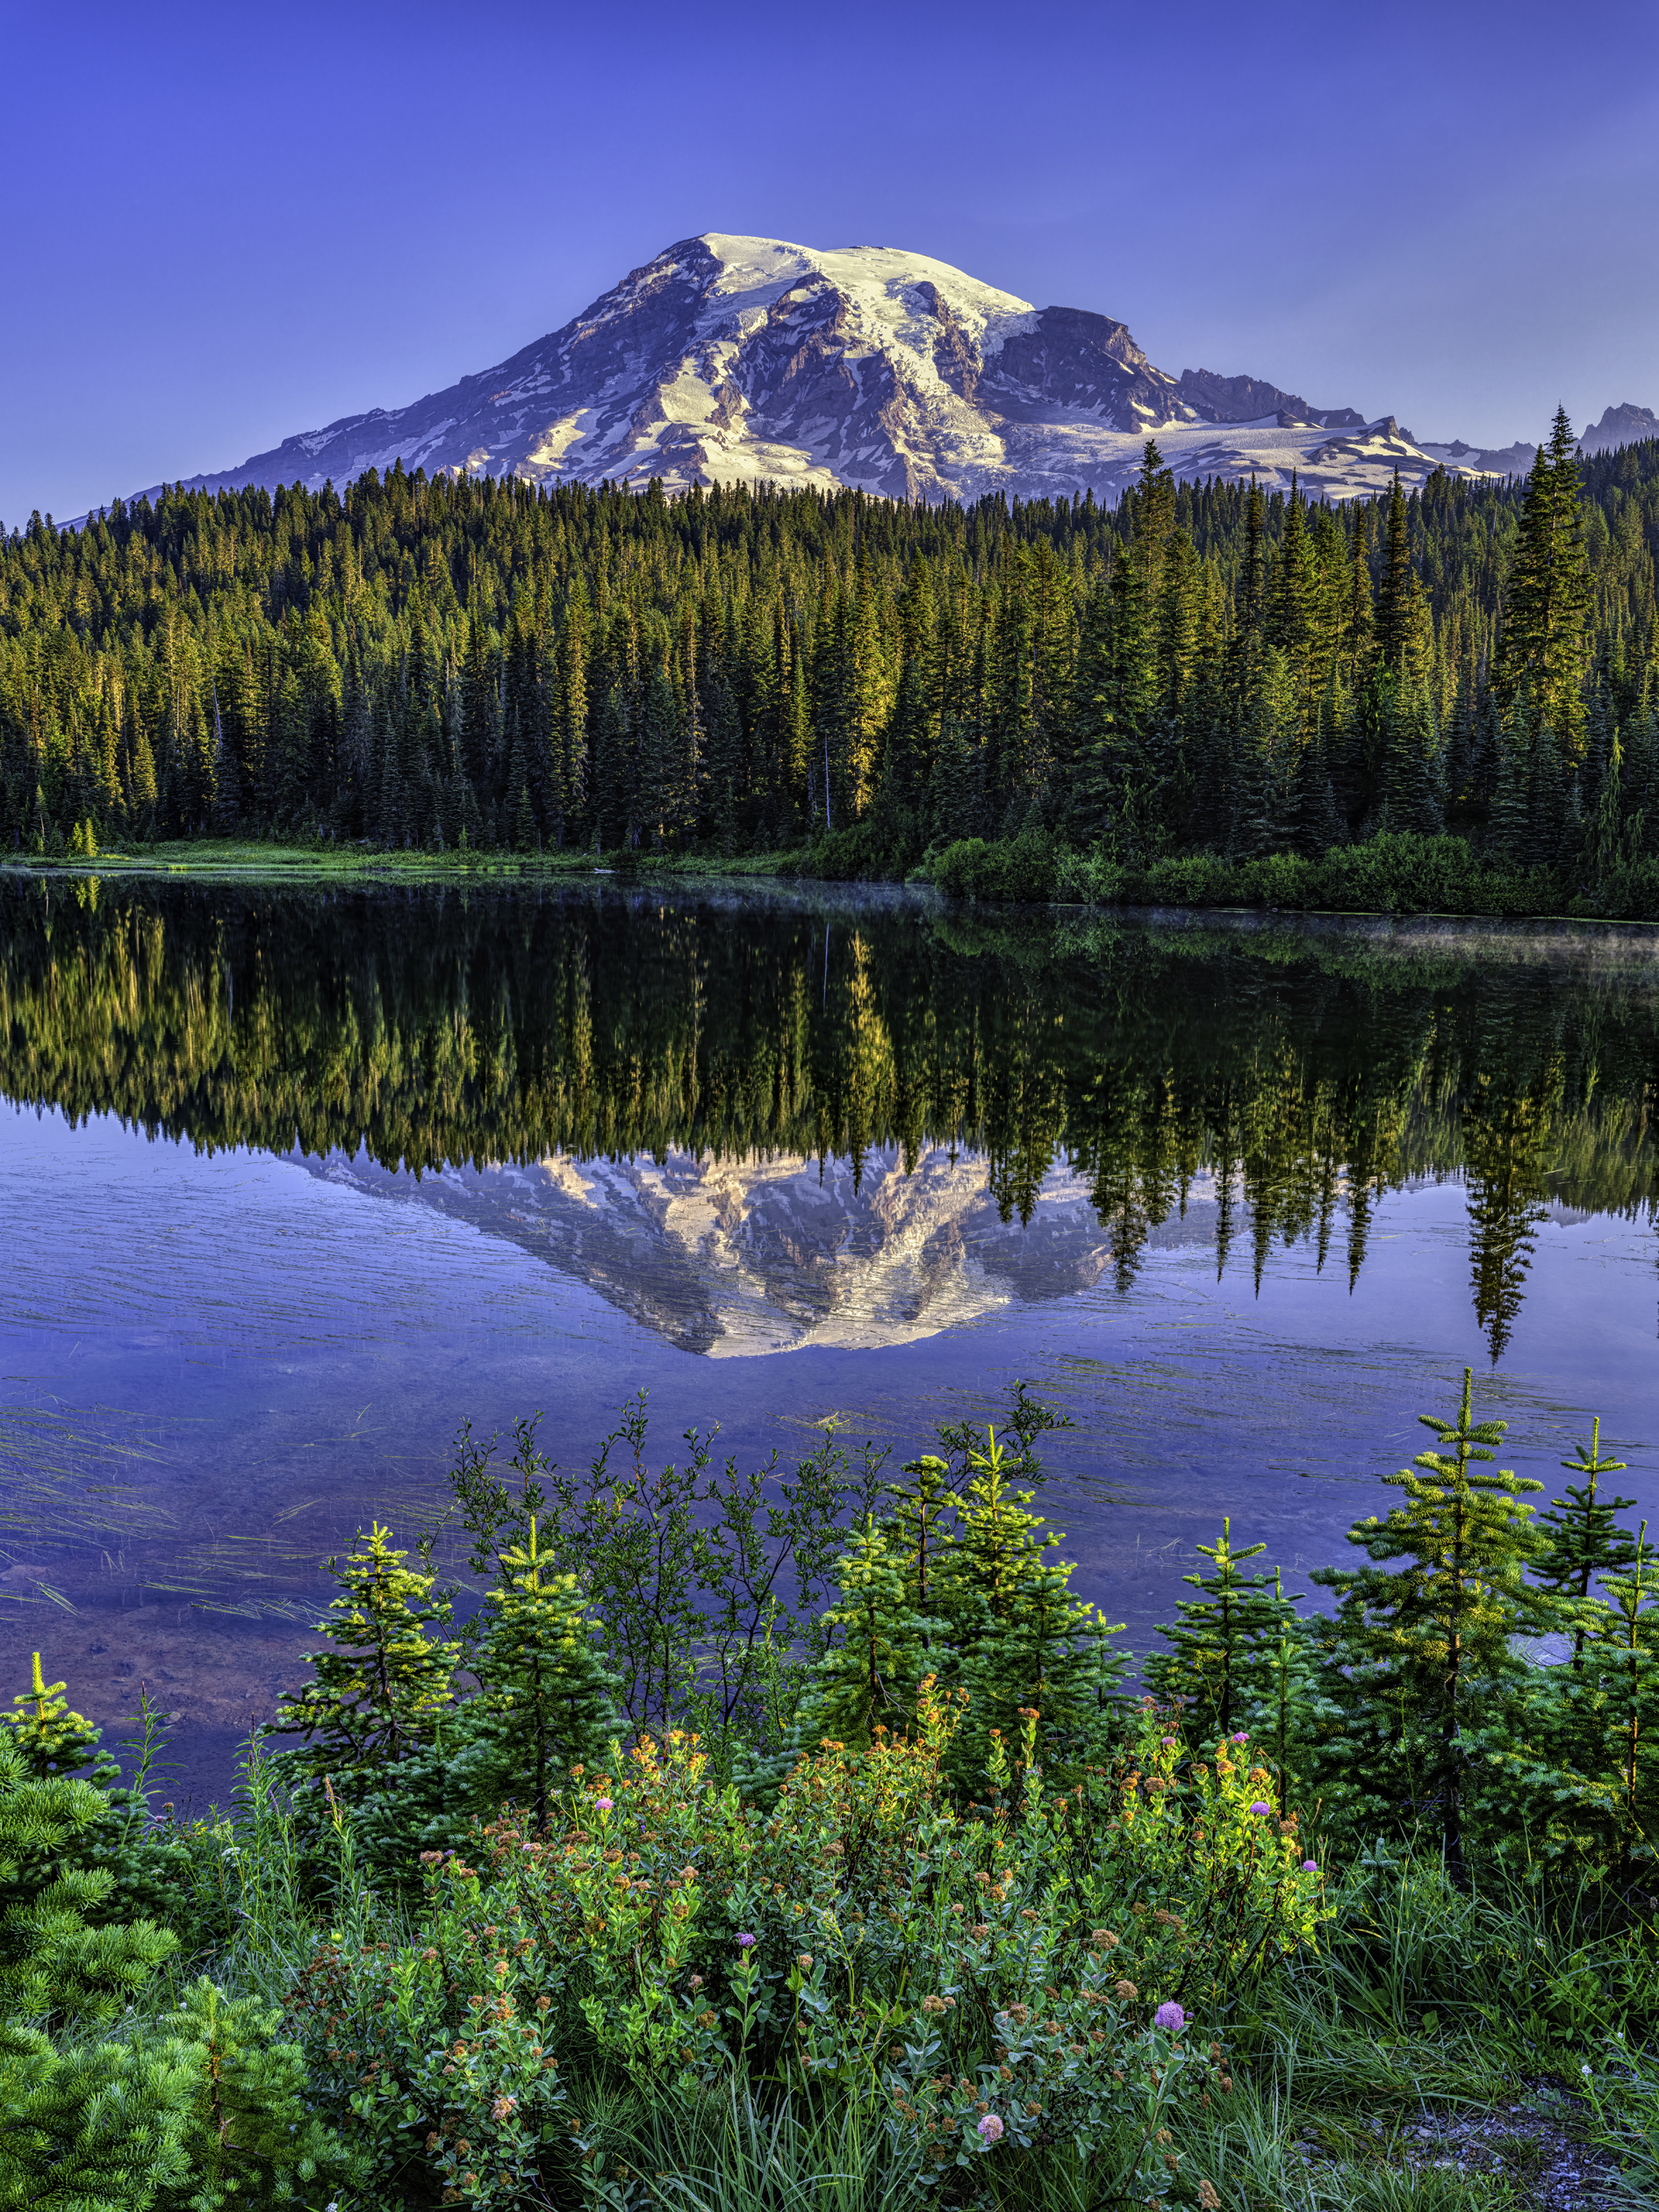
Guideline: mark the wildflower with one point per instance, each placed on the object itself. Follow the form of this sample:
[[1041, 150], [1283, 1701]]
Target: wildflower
[[1260, 1809], [990, 2130], [1208, 2201], [745, 1943], [1103, 1939], [1168, 1743], [805, 1962], [604, 1805], [1243, 1736], [1310, 1866], [1127, 1991], [504, 2108], [1170, 2017]]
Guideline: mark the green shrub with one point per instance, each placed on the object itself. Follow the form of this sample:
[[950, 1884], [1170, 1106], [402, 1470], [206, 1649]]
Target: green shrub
[[1021, 870], [1057, 1963]]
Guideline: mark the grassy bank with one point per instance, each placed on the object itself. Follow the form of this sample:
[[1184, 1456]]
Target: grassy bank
[[1395, 874], [246, 859]]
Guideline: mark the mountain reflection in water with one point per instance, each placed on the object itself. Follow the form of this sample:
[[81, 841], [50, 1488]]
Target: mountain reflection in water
[[755, 1123], [735, 1257]]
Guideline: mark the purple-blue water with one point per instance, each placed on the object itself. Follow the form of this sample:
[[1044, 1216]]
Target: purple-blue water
[[217, 1367]]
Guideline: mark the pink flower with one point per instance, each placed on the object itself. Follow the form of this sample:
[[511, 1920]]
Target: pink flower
[[1170, 2018], [604, 1804], [1310, 1866], [1262, 1809], [990, 2130]]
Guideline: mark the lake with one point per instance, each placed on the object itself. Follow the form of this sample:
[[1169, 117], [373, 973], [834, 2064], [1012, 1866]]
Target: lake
[[294, 1182]]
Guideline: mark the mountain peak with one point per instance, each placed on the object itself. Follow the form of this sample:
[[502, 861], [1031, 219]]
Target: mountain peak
[[736, 359], [1624, 425]]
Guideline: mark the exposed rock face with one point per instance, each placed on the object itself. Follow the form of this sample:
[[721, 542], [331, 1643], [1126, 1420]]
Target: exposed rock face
[[754, 360], [1248, 400], [1620, 426]]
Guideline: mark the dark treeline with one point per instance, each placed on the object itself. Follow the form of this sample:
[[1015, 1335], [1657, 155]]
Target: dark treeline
[[442, 662], [441, 1028]]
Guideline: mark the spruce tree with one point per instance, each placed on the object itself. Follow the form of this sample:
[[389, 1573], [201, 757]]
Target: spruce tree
[[1220, 1640], [376, 1695], [1581, 1540], [1543, 658], [546, 1702], [1581, 1780], [1020, 1641], [1394, 591], [1420, 1650], [870, 1676]]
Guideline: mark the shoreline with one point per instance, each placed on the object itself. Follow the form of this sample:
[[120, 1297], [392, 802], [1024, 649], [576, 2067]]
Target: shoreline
[[1438, 928]]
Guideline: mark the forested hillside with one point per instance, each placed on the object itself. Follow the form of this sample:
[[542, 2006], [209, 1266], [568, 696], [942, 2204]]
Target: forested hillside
[[1202, 668]]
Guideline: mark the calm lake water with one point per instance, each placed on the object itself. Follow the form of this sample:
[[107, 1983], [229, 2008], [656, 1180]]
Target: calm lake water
[[292, 1183]]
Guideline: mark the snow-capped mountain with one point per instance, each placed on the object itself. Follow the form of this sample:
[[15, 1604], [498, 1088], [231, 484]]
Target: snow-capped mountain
[[751, 359]]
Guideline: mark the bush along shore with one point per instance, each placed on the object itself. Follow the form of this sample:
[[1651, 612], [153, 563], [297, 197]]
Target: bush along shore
[[731, 1837], [1395, 872]]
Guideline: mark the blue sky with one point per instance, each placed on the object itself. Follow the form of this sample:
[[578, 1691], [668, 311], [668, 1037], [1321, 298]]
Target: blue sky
[[223, 225]]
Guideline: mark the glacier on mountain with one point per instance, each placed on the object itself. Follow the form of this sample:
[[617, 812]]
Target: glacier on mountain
[[752, 360]]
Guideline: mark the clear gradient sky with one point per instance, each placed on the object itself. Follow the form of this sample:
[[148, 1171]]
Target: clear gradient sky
[[223, 224]]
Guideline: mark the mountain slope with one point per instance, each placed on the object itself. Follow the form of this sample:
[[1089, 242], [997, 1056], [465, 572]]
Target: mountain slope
[[1622, 426], [735, 359]]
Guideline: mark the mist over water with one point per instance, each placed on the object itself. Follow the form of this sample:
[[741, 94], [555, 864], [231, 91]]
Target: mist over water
[[294, 1182]]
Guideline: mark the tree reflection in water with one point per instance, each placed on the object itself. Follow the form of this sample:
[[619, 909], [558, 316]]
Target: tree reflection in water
[[1303, 1074]]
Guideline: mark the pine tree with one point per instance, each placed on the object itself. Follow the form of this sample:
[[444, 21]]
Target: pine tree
[[545, 1703], [869, 1678], [1394, 592], [1581, 1540], [375, 1696], [1416, 1650], [1579, 1782], [1019, 1640], [1630, 1653], [1543, 659], [1221, 1639], [1312, 821], [1410, 783]]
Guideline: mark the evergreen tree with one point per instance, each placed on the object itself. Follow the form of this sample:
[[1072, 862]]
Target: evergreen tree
[[1580, 1539], [1394, 599], [1543, 659], [545, 1703], [1417, 1649], [1220, 1641], [374, 1696], [869, 1678]]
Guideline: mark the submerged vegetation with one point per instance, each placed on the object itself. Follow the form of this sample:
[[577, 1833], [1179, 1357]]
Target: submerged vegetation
[[766, 1839], [1446, 699]]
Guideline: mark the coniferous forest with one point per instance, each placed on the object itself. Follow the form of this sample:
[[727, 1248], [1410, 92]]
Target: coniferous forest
[[1465, 679]]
